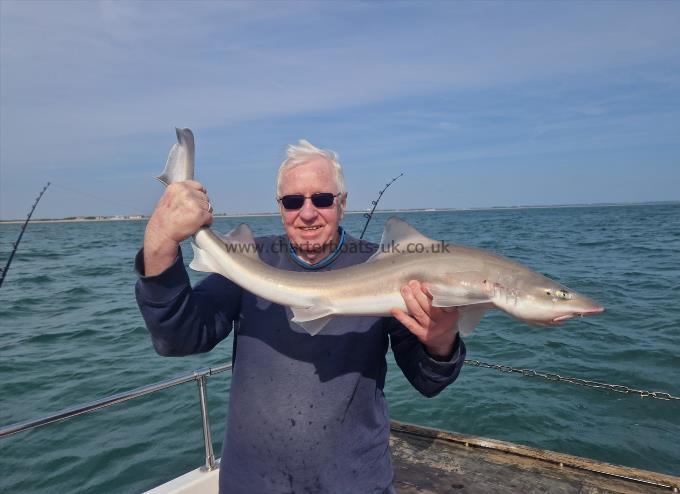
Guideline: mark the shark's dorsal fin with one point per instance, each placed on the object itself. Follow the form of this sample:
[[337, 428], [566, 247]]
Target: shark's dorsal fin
[[241, 241], [401, 238]]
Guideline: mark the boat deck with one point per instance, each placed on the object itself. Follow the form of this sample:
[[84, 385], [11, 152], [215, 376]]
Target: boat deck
[[432, 461]]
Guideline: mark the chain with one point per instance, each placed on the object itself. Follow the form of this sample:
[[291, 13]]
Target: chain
[[618, 388]]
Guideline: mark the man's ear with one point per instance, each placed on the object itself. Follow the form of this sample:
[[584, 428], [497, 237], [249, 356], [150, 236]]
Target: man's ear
[[342, 204]]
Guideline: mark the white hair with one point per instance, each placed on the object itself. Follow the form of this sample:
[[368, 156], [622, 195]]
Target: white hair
[[303, 152]]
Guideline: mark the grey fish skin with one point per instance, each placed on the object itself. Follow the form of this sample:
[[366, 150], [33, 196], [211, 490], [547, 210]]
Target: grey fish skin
[[473, 280], [181, 160]]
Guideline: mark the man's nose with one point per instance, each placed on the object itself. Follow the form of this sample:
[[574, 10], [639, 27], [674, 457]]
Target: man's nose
[[308, 211]]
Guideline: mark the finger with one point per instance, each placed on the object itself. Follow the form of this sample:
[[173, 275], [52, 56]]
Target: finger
[[186, 186], [433, 311], [409, 322], [413, 306], [426, 289], [195, 185], [209, 206], [420, 295], [180, 195], [204, 203], [198, 203], [196, 197], [424, 302], [208, 219], [204, 217]]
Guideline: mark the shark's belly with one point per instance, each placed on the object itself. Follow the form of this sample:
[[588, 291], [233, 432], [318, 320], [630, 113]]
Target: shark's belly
[[375, 305]]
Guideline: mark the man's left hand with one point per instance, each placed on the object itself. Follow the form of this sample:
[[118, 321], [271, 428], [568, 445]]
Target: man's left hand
[[435, 327]]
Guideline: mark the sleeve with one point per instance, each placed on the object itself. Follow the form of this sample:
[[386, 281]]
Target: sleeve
[[428, 375], [183, 320]]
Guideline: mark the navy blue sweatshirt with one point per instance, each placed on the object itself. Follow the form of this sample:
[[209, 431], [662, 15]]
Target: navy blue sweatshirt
[[306, 413]]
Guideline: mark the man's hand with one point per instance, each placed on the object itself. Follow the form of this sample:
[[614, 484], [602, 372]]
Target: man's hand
[[435, 327], [182, 210]]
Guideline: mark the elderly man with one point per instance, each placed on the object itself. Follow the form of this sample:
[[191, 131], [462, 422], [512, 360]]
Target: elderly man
[[306, 413]]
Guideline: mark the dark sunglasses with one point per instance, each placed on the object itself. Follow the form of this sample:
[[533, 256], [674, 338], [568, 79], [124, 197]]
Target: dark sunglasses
[[320, 200]]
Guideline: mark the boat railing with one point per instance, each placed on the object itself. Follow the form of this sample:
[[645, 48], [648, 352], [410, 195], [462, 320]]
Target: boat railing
[[199, 376]]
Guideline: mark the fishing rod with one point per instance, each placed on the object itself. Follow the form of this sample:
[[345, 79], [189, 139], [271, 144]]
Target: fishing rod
[[369, 215], [3, 271]]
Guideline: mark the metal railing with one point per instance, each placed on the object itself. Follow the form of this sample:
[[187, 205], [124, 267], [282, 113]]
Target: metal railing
[[200, 376]]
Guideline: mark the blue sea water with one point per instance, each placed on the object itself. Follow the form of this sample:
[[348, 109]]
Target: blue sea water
[[71, 333]]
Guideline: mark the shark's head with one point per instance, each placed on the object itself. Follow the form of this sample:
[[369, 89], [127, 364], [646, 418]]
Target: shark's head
[[546, 303]]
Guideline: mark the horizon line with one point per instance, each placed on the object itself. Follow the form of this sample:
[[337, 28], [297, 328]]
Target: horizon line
[[139, 217]]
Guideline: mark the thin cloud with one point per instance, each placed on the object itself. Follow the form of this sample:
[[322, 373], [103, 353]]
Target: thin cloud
[[92, 84]]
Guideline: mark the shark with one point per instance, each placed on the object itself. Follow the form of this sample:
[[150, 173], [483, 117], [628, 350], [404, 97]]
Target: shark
[[469, 279]]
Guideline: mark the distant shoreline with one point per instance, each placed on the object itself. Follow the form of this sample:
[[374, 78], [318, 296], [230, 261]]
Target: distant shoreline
[[91, 219]]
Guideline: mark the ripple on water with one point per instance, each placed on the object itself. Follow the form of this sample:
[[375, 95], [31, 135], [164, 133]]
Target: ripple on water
[[59, 336], [87, 271]]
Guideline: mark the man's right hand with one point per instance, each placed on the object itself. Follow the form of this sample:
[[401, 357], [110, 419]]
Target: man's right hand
[[182, 210]]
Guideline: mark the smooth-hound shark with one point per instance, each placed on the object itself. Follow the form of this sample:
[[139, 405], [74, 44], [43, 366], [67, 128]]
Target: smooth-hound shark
[[473, 280]]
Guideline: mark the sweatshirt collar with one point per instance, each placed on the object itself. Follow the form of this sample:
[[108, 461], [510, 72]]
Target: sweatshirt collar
[[326, 260]]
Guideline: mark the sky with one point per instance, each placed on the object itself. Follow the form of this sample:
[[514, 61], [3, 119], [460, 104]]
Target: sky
[[479, 104]]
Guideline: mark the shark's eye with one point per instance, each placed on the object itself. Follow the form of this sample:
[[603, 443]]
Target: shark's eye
[[563, 294], [548, 292]]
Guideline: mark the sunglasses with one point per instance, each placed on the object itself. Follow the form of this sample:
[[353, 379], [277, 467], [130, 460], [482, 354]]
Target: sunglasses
[[320, 200]]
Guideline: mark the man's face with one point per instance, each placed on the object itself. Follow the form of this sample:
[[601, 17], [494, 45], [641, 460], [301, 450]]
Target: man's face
[[313, 231]]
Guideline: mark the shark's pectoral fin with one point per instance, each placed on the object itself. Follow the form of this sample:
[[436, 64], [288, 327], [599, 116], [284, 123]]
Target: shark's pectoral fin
[[466, 295], [202, 261], [312, 319], [456, 296], [469, 317], [314, 327]]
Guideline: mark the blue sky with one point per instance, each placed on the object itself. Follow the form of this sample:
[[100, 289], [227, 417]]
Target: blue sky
[[479, 104]]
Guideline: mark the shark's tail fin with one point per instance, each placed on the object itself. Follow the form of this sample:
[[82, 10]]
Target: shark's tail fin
[[180, 164]]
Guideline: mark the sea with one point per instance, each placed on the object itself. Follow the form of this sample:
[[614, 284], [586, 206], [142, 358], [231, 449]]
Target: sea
[[71, 333]]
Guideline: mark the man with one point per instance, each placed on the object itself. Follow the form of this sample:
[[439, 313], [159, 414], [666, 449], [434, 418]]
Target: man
[[306, 413]]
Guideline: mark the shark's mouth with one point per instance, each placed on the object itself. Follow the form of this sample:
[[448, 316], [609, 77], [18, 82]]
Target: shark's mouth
[[589, 312]]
